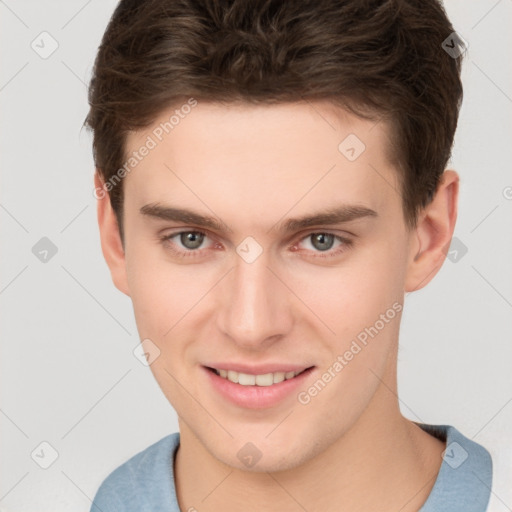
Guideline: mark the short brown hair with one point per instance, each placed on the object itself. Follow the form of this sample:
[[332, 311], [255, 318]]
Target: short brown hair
[[380, 59]]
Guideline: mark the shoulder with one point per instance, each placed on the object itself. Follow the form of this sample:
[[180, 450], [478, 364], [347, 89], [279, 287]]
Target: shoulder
[[142, 481], [464, 480]]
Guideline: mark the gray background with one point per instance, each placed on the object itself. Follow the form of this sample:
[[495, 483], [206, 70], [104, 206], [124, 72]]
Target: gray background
[[68, 373]]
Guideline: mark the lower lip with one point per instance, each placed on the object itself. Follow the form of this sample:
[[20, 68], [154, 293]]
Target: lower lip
[[256, 397]]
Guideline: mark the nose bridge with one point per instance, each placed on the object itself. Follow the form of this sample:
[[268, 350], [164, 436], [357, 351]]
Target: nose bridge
[[254, 307]]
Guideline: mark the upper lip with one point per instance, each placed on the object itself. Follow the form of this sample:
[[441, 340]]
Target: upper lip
[[259, 369]]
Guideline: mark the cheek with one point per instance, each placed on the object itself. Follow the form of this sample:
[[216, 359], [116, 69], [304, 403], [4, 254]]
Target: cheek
[[362, 304], [161, 296], [151, 298], [161, 291], [162, 300], [353, 296]]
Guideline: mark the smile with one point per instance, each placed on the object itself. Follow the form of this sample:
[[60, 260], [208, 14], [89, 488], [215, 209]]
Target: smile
[[268, 388], [246, 379]]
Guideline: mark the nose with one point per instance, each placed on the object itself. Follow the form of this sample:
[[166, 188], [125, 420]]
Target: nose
[[255, 308]]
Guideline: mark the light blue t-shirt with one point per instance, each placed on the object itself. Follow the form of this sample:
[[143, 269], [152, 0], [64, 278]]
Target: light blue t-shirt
[[145, 483]]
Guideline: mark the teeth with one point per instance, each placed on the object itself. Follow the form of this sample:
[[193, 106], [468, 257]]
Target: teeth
[[233, 376], [264, 380], [279, 377], [246, 379]]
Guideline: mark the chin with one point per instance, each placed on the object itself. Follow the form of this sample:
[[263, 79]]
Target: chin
[[267, 464], [264, 455]]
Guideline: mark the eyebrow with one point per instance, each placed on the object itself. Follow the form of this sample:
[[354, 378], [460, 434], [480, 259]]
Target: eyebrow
[[330, 216]]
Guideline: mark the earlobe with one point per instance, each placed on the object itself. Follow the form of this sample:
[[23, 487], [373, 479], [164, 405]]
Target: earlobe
[[110, 237], [433, 233]]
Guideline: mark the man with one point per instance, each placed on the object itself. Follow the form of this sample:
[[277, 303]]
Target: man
[[271, 183]]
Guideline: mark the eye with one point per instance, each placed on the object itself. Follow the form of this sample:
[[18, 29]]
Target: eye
[[191, 241], [323, 242], [319, 242]]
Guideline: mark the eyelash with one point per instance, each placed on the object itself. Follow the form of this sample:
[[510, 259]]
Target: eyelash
[[331, 253]]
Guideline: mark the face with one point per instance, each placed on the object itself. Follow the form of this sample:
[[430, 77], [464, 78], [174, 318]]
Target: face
[[259, 291]]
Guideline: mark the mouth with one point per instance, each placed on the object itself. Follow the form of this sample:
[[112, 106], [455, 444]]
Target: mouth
[[247, 379], [263, 390]]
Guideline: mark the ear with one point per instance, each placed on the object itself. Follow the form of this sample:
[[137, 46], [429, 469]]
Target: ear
[[433, 233], [111, 244]]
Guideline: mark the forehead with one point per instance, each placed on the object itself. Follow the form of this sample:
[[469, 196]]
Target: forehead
[[258, 159]]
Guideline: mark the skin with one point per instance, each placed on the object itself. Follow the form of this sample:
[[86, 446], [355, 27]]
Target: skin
[[253, 167]]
